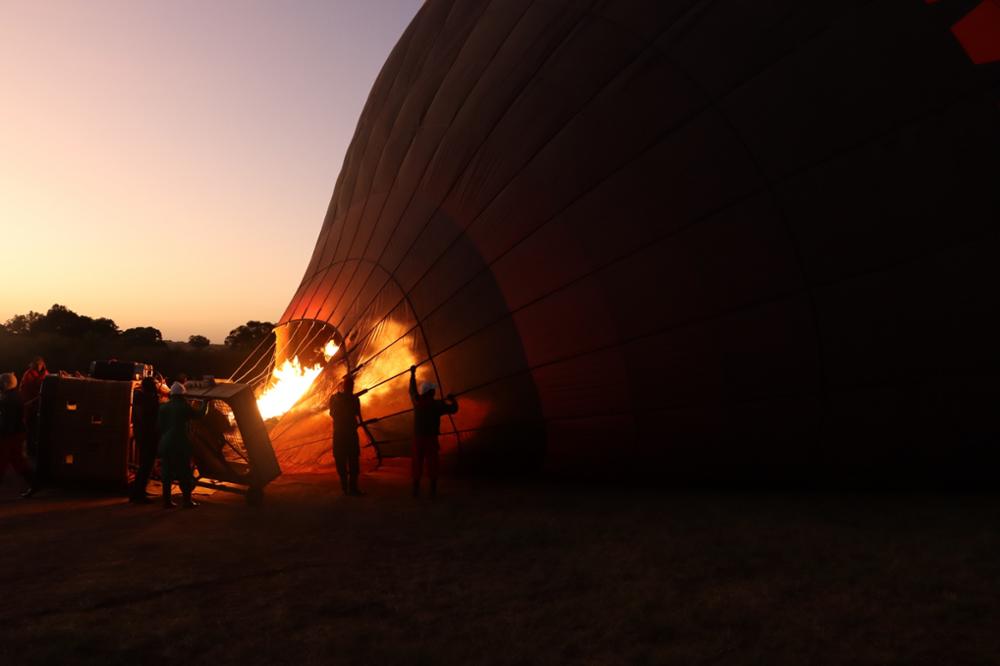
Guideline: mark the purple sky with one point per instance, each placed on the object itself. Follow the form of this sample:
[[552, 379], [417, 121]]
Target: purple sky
[[170, 163]]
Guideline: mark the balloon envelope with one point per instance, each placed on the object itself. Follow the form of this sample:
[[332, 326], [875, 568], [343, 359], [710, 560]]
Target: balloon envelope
[[697, 240]]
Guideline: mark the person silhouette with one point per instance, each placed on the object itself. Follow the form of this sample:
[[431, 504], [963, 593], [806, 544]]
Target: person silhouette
[[345, 409], [31, 388], [175, 446], [427, 413], [145, 409], [12, 432]]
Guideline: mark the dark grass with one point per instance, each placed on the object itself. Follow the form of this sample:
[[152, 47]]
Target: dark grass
[[502, 574]]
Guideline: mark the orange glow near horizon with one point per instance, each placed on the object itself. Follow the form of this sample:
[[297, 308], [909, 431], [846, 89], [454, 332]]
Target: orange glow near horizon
[[169, 164]]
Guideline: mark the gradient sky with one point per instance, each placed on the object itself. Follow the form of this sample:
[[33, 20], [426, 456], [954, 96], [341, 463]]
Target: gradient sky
[[169, 163]]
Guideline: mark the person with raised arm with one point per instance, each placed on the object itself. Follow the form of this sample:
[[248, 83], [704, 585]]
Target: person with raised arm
[[427, 413]]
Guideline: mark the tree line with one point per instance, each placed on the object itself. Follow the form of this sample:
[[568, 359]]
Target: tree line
[[70, 341]]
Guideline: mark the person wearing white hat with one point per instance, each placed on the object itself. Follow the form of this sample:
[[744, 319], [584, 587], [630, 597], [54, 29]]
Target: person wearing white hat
[[427, 413], [175, 447]]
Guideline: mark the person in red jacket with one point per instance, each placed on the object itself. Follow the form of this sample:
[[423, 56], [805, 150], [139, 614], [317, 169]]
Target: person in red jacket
[[427, 413], [31, 387]]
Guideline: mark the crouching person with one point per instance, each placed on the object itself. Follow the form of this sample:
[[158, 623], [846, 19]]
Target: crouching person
[[427, 413], [12, 432], [175, 446]]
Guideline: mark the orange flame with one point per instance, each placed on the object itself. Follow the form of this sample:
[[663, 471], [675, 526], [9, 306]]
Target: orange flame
[[289, 382], [393, 360]]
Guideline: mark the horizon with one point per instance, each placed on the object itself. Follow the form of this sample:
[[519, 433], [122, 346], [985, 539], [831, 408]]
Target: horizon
[[184, 340], [201, 141]]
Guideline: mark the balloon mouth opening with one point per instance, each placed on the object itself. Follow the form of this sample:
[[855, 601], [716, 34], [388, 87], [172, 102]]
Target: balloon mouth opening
[[299, 357]]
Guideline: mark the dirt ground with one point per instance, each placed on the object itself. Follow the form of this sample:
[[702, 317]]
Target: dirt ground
[[493, 573]]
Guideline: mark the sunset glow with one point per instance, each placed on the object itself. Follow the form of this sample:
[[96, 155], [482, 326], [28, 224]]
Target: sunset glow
[[175, 159]]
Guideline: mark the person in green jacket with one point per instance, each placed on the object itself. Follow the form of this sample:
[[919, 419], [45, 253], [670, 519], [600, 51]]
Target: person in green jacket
[[175, 447]]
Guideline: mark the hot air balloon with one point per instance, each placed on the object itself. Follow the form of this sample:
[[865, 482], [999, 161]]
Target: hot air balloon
[[682, 238]]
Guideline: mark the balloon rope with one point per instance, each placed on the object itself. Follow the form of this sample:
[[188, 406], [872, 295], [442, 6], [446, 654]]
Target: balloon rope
[[250, 355], [265, 356]]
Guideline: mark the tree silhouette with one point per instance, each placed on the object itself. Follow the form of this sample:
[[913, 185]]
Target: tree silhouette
[[104, 328], [199, 341], [249, 334], [143, 336], [60, 320], [23, 324]]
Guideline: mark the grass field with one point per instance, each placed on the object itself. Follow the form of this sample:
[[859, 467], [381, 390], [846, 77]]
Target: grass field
[[501, 574]]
